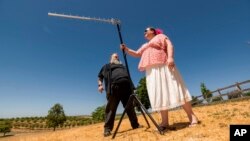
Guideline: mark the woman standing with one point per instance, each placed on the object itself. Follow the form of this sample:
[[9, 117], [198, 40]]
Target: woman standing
[[165, 86]]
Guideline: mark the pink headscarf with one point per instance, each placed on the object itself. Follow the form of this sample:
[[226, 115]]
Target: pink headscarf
[[158, 31]]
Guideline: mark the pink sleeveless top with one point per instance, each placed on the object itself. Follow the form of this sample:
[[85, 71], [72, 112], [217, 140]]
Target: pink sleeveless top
[[153, 53]]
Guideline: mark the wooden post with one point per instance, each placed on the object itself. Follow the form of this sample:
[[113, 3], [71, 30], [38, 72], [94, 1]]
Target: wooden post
[[220, 94], [239, 89]]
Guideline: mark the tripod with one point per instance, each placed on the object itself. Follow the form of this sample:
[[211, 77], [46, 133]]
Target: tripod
[[133, 99]]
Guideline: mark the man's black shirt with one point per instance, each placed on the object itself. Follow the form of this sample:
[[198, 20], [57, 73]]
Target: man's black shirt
[[112, 73]]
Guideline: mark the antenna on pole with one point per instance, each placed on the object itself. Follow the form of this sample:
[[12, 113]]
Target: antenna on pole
[[111, 21]]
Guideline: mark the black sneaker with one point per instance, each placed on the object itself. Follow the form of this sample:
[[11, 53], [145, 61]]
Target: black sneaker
[[139, 126], [107, 133]]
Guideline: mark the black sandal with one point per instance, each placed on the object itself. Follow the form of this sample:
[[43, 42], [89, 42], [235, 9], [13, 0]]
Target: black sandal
[[162, 128]]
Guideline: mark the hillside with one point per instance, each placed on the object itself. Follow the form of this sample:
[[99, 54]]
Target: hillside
[[215, 120]]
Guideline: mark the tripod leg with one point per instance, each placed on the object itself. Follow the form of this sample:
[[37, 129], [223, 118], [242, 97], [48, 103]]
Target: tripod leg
[[154, 122], [128, 104], [144, 116]]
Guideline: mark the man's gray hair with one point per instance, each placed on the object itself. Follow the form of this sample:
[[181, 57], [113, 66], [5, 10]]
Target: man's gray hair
[[114, 60]]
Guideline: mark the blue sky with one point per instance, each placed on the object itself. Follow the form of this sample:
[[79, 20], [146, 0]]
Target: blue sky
[[46, 60]]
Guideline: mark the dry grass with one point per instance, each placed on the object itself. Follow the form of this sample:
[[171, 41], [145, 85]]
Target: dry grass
[[214, 126]]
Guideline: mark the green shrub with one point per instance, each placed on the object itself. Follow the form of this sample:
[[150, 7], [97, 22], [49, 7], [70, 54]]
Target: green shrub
[[5, 127]]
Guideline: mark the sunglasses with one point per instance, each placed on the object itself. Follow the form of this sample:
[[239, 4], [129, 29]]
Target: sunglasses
[[146, 30]]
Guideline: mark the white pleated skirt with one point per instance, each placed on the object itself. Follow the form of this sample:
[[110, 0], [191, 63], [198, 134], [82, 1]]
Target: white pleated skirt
[[166, 89]]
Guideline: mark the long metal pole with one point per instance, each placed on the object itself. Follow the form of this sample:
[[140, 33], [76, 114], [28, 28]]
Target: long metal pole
[[124, 54]]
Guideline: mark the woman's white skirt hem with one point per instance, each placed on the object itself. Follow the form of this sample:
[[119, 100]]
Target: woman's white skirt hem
[[166, 89]]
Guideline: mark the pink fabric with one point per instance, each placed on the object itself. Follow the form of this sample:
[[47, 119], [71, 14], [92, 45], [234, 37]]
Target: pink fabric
[[153, 53]]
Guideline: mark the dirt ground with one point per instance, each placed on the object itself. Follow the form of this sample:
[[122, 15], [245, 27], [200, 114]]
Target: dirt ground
[[214, 126]]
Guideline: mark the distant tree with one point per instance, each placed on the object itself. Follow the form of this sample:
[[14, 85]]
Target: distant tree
[[5, 126], [205, 92], [99, 113], [56, 116], [143, 93]]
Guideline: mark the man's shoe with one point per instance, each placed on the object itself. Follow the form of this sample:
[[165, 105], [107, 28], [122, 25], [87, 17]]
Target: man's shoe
[[139, 126], [107, 133]]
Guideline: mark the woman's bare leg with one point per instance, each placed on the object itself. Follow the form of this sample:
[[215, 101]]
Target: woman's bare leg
[[164, 118], [191, 116]]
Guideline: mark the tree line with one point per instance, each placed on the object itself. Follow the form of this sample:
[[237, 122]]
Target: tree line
[[56, 118]]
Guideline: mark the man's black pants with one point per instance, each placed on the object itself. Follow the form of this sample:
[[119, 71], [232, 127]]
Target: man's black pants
[[120, 92]]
